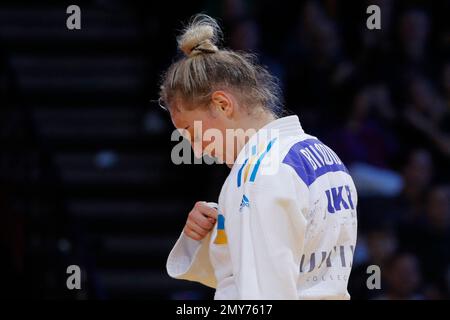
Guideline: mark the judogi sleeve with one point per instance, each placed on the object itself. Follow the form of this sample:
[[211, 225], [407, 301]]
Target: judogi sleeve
[[267, 249], [189, 259]]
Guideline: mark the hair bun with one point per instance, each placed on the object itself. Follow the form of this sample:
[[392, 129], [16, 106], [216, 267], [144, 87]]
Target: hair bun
[[200, 36]]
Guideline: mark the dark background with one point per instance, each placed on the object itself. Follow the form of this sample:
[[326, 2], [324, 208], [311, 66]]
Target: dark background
[[86, 176]]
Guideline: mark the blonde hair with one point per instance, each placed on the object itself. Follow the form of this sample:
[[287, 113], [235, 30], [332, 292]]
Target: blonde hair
[[206, 68]]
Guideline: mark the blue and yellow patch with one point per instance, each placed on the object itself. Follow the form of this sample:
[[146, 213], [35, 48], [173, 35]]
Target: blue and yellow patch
[[221, 237], [254, 161]]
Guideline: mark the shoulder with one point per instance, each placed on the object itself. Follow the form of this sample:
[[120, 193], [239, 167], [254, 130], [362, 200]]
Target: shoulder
[[303, 158], [311, 159]]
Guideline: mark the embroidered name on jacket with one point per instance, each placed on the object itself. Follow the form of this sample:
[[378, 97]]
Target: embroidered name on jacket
[[311, 159]]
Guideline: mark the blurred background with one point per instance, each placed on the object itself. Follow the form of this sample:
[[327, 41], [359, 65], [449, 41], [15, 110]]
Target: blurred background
[[86, 176]]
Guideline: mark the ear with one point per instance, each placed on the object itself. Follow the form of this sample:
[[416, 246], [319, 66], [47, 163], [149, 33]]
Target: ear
[[223, 102]]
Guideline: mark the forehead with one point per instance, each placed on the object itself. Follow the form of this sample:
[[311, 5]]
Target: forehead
[[178, 105], [181, 116]]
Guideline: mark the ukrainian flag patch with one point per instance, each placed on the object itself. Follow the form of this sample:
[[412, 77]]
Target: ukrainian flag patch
[[221, 237]]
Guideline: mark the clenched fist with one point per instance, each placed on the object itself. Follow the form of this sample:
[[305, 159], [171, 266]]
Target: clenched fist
[[200, 221]]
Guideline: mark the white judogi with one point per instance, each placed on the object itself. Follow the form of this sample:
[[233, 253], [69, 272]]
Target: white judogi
[[287, 223]]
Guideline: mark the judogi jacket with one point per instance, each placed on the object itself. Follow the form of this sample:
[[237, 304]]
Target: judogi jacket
[[286, 226]]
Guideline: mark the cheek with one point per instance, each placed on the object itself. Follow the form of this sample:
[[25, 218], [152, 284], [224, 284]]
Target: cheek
[[214, 136], [209, 135], [175, 117]]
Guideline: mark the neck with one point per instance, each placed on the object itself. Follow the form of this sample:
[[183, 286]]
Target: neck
[[249, 125]]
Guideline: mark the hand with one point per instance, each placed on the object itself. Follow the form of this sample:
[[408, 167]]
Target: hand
[[200, 221]]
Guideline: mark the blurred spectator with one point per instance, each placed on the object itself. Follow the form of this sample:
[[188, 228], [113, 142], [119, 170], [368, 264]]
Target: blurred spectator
[[417, 173], [414, 32], [316, 62], [362, 137], [366, 143], [429, 237], [402, 277], [379, 244], [246, 36], [406, 207], [427, 118]]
